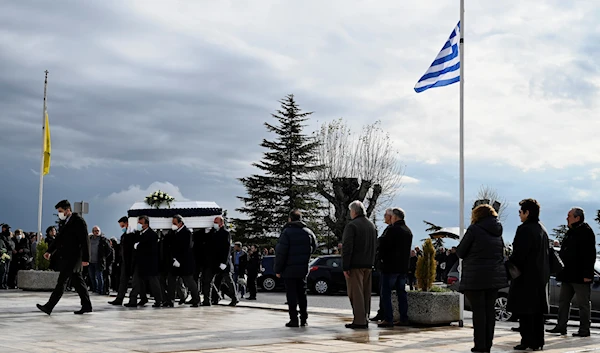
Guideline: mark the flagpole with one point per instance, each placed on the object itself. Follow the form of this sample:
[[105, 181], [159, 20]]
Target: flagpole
[[42, 161], [462, 137]]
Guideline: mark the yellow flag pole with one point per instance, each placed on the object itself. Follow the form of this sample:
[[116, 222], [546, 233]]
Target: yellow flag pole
[[42, 161]]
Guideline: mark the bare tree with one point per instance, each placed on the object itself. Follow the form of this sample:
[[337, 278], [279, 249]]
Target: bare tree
[[360, 167], [491, 196]]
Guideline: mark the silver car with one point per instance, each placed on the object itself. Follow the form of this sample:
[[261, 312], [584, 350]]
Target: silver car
[[502, 314]]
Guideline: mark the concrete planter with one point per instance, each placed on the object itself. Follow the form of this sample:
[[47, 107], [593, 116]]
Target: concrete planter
[[432, 308], [37, 280]]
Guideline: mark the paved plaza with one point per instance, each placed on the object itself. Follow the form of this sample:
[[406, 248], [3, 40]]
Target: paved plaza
[[251, 327]]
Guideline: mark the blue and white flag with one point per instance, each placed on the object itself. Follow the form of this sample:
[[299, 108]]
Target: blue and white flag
[[445, 69]]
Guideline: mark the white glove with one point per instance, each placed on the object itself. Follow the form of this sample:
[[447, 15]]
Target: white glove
[[176, 263], [135, 245], [222, 266]]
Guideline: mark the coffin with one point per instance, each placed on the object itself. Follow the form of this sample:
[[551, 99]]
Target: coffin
[[196, 214]]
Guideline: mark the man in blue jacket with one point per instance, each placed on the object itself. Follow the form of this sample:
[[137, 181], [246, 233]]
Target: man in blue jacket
[[292, 255]]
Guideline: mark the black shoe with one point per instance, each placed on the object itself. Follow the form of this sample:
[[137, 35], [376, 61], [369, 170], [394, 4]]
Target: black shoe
[[156, 305], [44, 309], [401, 323], [292, 324], [82, 311], [251, 298], [168, 305], [143, 303], [234, 302], [130, 305], [357, 327], [385, 324], [557, 330], [477, 350], [206, 304], [303, 323], [195, 305], [116, 302], [520, 347], [377, 318], [579, 334]]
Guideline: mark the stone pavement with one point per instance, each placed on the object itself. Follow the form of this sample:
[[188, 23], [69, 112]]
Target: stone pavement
[[223, 329]]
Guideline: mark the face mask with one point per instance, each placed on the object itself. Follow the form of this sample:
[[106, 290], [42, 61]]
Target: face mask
[[19, 237], [216, 226], [139, 227], [123, 230], [61, 216], [174, 227]]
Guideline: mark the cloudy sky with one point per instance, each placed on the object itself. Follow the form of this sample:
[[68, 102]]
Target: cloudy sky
[[148, 94]]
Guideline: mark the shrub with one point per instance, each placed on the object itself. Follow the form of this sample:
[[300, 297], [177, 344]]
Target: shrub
[[40, 262], [426, 267]]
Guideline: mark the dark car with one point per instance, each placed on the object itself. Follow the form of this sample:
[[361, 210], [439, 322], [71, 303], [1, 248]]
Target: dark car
[[503, 315], [326, 275], [267, 279]]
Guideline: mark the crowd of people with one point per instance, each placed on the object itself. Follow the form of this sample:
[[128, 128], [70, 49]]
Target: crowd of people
[[486, 268], [167, 265]]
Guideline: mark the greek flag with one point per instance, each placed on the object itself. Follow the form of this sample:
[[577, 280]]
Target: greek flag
[[445, 69]]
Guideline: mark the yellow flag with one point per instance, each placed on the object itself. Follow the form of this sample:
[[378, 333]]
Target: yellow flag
[[47, 146]]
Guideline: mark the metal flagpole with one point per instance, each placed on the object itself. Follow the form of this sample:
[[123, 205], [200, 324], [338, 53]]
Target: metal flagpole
[[462, 138], [42, 161]]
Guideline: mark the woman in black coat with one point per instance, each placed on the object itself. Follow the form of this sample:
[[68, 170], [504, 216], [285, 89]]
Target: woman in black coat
[[483, 272], [528, 296]]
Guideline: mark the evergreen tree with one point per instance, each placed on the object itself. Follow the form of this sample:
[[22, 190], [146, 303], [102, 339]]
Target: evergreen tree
[[284, 184]]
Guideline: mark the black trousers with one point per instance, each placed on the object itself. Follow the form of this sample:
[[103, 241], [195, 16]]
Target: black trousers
[[224, 277], [484, 317], [252, 284], [77, 282], [295, 292], [532, 330], [139, 287], [207, 278], [173, 285]]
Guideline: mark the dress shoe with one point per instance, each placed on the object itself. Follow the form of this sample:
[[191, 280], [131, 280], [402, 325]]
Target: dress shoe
[[579, 334], [156, 305], [130, 305], [168, 305], [520, 347], [385, 324], [377, 318], [206, 304], [292, 324], [557, 330], [251, 298], [82, 311], [143, 303], [357, 327], [401, 323], [477, 350], [44, 309], [303, 323], [195, 305], [234, 302], [116, 302]]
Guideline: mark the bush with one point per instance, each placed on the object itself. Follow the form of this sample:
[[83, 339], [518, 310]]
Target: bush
[[40, 262], [426, 266]]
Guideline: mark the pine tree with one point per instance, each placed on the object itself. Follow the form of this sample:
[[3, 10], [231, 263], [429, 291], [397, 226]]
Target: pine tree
[[284, 183]]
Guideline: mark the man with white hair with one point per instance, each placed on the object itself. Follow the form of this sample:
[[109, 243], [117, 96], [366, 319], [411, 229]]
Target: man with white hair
[[359, 239], [99, 250]]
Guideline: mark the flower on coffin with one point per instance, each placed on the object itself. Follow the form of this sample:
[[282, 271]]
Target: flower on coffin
[[158, 198]]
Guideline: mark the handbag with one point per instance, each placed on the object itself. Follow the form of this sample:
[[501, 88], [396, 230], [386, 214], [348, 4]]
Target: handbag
[[512, 269]]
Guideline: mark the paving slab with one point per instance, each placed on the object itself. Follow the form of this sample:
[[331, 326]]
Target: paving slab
[[249, 327]]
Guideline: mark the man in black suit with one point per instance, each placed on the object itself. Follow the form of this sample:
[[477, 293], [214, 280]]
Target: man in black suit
[[183, 262], [145, 264], [222, 265], [127, 242], [72, 247]]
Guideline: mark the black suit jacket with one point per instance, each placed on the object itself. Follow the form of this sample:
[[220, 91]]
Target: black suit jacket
[[71, 245], [182, 251], [222, 249], [146, 254], [394, 249]]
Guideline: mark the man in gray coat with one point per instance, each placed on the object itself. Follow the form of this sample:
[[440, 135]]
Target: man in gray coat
[[359, 239]]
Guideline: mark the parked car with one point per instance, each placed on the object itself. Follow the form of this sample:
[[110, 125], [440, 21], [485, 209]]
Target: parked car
[[326, 276], [267, 279], [504, 315]]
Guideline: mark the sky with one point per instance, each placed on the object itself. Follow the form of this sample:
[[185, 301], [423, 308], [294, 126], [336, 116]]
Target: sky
[[146, 95]]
